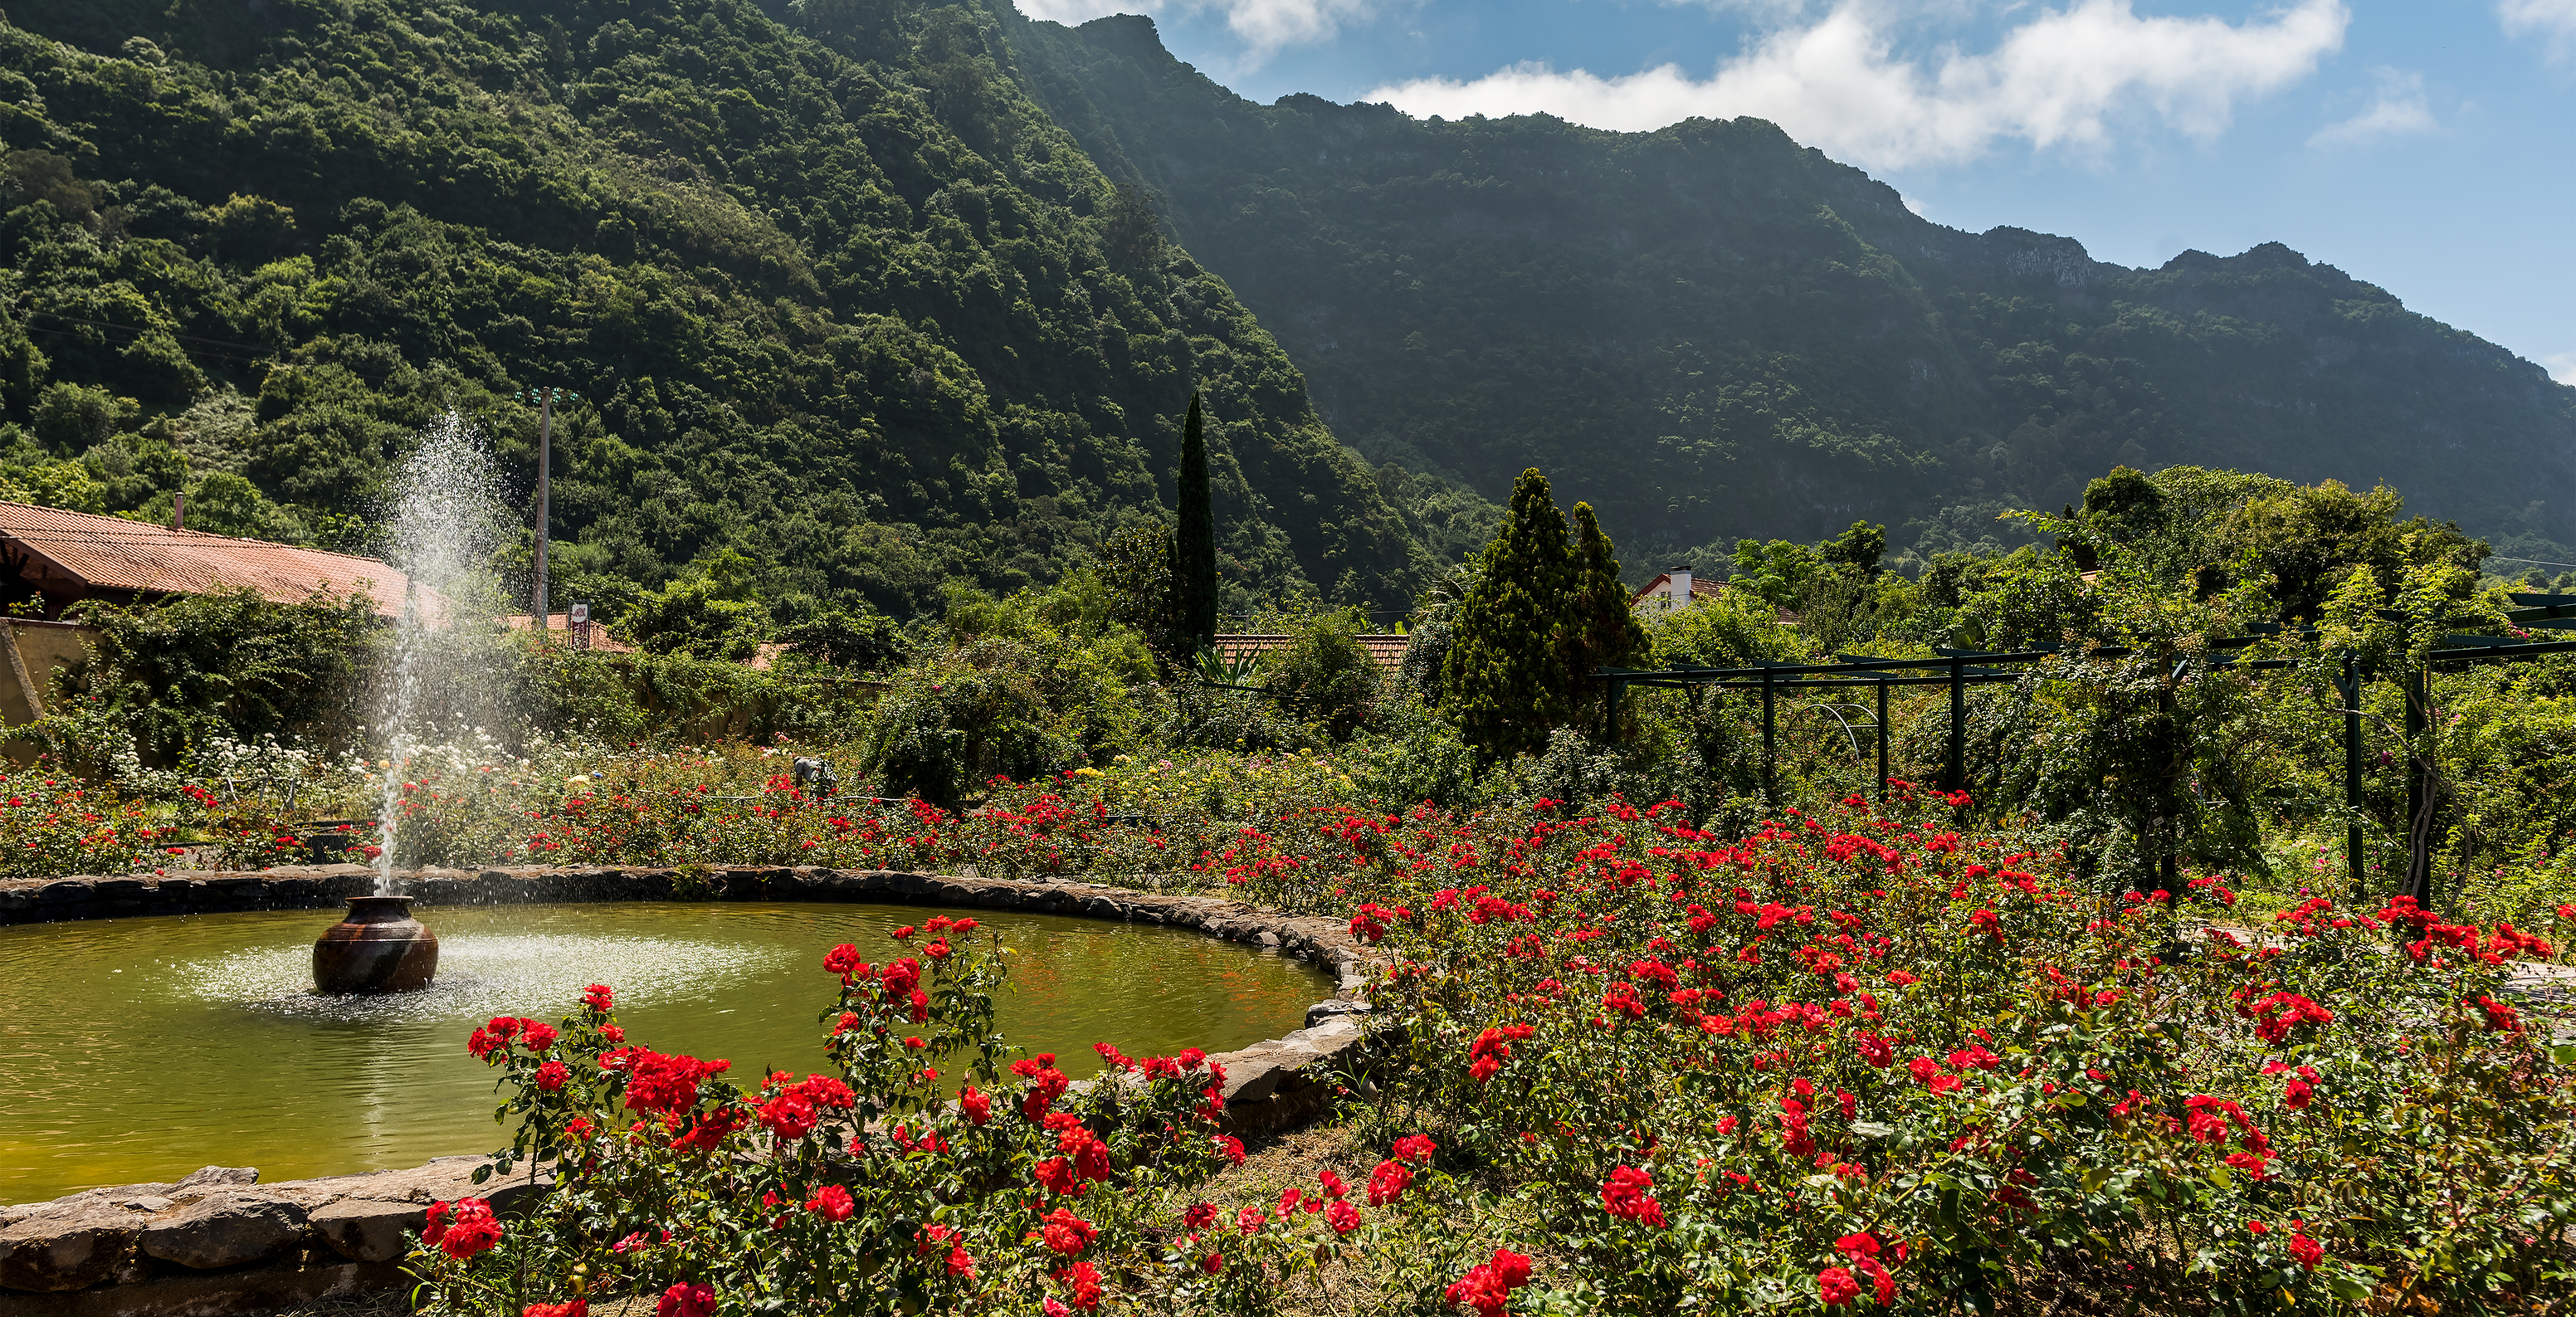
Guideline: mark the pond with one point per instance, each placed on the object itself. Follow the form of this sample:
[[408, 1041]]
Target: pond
[[137, 1050]]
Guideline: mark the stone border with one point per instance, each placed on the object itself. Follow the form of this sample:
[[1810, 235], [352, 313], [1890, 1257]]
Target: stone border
[[218, 1242]]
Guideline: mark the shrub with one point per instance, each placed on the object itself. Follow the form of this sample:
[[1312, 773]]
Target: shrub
[[176, 674]]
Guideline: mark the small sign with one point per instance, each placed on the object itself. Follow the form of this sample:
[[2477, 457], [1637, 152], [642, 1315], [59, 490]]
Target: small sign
[[580, 614]]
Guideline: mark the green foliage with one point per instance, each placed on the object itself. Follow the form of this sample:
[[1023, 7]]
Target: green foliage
[[710, 613], [1324, 676], [955, 719], [2150, 759], [1601, 628], [842, 300], [1732, 630], [1858, 548], [1194, 543], [1135, 566], [176, 676], [858, 642], [1030, 684], [1505, 683], [1777, 573]]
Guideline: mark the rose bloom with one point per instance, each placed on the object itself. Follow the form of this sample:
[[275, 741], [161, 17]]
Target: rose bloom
[[1388, 1182], [551, 1076], [1066, 1233], [462, 1229], [576, 1308], [686, 1300], [1836, 1286], [832, 1203], [1342, 1217], [1084, 1280]]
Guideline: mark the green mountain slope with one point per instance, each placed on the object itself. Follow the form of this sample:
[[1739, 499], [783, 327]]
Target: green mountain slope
[[875, 322], [1710, 332]]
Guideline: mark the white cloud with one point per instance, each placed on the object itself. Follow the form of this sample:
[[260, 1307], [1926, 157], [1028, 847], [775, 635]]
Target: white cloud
[[2561, 366], [2398, 107], [2552, 20], [1264, 25], [2058, 79]]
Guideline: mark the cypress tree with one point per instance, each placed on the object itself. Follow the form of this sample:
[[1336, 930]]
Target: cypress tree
[[1506, 679], [1603, 630], [1194, 542]]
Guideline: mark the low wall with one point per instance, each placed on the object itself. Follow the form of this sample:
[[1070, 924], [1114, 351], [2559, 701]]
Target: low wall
[[219, 1242]]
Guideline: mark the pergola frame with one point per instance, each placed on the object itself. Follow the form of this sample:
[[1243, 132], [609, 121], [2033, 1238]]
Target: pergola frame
[[1959, 669]]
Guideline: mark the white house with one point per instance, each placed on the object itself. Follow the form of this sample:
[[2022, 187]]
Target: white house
[[1674, 589]]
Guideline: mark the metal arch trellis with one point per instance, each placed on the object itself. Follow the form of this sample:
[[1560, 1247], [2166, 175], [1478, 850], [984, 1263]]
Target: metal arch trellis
[[1960, 669]]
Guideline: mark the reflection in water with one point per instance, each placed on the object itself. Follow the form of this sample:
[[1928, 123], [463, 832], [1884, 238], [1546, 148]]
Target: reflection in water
[[141, 1049]]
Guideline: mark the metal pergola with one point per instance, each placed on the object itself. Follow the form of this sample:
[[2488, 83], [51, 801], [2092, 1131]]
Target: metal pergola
[[1959, 669]]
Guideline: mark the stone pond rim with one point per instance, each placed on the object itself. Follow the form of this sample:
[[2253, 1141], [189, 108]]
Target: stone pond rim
[[377, 948]]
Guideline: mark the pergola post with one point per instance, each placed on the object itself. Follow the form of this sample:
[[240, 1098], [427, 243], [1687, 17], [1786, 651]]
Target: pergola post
[[1954, 776], [2419, 830], [2351, 687], [1882, 740], [1770, 778]]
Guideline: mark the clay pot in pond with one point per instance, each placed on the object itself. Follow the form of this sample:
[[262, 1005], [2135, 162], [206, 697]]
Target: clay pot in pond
[[378, 948]]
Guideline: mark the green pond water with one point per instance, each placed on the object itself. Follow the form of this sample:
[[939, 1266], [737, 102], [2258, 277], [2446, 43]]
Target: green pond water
[[136, 1050]]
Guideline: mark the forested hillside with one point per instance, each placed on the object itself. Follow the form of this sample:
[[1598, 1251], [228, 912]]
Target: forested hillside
[[1711, 332], [866, 316]]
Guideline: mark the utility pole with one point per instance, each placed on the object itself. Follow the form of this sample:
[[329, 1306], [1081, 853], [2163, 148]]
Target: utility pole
[[545, 491], [545, 399]]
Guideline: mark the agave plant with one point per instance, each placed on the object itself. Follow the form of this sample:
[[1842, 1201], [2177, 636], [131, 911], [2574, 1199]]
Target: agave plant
[[1218, 669]]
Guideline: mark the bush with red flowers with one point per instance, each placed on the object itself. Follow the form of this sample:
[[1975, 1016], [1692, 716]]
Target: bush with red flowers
[[1858, 1061], [863, 1187]]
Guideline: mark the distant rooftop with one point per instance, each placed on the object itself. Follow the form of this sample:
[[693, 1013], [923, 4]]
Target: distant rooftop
[[70, 556], [1387, 651]]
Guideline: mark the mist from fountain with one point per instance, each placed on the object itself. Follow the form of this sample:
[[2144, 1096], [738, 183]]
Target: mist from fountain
[[445, 522]]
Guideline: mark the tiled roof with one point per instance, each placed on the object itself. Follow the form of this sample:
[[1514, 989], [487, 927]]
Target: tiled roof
[[111, 553], [1387, 651]]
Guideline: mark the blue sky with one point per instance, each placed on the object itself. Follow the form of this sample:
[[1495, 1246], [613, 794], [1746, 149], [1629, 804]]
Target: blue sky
[[2428, 148]]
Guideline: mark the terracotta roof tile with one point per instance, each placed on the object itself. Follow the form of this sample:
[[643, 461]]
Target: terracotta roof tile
[[111, 553], [1386, 651]]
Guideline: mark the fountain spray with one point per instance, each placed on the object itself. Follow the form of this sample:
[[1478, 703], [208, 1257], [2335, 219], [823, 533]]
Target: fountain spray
[[445, 521]]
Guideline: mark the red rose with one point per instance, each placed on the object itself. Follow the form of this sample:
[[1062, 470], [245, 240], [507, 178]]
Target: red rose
[[686, 1300], [1836, 1286], [832, 1203]]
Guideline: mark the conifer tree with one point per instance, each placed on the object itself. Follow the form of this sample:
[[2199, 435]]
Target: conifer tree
[[1506, 679], [1194, 541], [1604, 630]]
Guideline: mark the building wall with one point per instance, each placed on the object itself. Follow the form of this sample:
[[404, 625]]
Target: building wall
[[44, 648]]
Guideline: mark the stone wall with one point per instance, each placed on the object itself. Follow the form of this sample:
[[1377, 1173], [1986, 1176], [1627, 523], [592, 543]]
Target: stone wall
[[218, 1242]]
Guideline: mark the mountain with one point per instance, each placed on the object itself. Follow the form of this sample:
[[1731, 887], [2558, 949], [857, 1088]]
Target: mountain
[[859, 311], [1709, 331]]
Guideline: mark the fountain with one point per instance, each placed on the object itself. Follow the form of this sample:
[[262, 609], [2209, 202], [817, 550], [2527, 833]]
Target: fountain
[[379, 947], [445, 520]]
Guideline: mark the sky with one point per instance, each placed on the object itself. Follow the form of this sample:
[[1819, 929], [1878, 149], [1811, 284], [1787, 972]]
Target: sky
[[2428, 148]]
